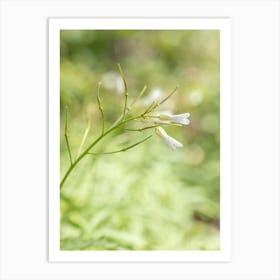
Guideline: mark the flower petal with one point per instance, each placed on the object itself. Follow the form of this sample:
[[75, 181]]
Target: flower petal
[[170, 141], [179, 118], [173, 143]]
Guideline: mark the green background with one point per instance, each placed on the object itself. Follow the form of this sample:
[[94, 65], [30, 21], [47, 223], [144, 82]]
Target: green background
[[149, 197]]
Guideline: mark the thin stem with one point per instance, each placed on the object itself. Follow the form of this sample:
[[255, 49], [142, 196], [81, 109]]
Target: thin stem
[[156, 104], [125, 89], [66, 135], [143, 128], [123, 149], [152, 126], [150, 108], [119, 121], [169, 95], [152, 117], [84, 138], [81, 156], [100, 108], [137, 98], [86, 151]]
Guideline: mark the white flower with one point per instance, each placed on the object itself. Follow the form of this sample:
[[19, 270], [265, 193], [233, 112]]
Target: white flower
[[171, 142], [181, 118]]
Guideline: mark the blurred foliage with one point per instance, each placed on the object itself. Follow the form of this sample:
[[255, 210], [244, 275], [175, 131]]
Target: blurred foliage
[[147, 198]]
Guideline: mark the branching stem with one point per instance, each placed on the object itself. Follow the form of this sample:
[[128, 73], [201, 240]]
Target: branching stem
[[66, 135], [137, 98], [100, 109], [154, 104], [84, 138], [142, 128], [119, 122], [86, 151], [125, 91], [123, 149]]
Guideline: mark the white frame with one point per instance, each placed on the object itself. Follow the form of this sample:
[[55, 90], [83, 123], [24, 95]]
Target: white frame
[[255, 139], [223, 25]]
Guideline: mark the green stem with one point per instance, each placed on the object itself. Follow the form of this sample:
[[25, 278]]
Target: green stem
[[84, 138], [123, 149], [137, 98], [154, 104], [66, 135], [100, 108], [143, 128], [116, 125], [126, 91], [91, 146]]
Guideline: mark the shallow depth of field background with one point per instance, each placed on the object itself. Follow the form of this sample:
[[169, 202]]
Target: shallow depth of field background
[[149, 197]]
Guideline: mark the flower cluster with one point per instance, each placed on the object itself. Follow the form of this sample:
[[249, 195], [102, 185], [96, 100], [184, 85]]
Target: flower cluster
[[167, 118], [157, 119], [163, 118]]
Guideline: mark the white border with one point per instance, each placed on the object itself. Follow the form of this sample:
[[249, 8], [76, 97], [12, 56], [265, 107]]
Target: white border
[[255, 139], [222, 255]]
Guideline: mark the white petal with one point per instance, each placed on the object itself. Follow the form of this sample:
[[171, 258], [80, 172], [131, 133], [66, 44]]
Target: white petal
[[180, 118], [161, 132], [185, 115], [172, 143], [159, 121]]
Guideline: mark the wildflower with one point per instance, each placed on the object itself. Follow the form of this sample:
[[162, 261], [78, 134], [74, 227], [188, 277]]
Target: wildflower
[[180, 118], [171, 142]]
